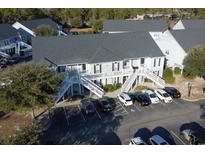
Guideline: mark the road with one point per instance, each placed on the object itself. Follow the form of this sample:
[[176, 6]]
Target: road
[[71, 126]]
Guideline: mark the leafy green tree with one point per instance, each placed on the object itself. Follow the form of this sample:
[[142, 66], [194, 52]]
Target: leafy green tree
[[27, 136], [45, 30], [168, 75], [26, 86], [97, 25], [194, 62], [76, 22]]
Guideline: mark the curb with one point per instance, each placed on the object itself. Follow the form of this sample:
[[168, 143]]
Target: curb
[[193, 100]]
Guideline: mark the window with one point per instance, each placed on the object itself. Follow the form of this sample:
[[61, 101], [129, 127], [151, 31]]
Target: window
[[97, 68], [142, 61], [159, 61], [125, 63], [61, 69], [154, 62], [115, 66], [83, 67]]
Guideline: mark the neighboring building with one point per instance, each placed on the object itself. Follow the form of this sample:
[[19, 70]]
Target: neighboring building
[[28, 26], [90, 60], [189, 24], [12, 43], [122, 26], [175, 44]]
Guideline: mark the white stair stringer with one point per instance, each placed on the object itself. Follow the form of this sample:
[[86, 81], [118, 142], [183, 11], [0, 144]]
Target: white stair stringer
[[92, 86], [67, 83], [77, 78], [129, 82], [150, 75]]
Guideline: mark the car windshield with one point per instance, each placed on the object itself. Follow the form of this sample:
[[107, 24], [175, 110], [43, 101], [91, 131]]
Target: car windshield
[[141, 144], [152, 95], [165, 95], [105, 102], [128, 100], [89, 107]]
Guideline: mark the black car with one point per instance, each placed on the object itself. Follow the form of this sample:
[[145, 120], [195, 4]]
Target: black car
[[107, 104], [87, 106], [142, 99], [173, 92]]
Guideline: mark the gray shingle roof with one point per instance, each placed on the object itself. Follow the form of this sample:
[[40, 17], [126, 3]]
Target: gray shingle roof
[[32, 24], [194, 24], [7, 31], [134, 25], [94, 48], [189, 38]]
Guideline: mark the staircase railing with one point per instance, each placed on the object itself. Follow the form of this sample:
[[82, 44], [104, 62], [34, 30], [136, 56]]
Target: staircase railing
[[92, 86], [128, 83]]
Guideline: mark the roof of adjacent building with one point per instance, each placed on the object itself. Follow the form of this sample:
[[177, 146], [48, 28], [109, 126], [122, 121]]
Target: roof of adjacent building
[[189, 38], [7, 31], [134, 25], [194, 24], [94, 48], [32, 24]]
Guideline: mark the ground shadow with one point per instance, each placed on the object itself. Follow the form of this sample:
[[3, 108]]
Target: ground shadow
[[164, 134], [76, 130], [144, 133], [202, 108]]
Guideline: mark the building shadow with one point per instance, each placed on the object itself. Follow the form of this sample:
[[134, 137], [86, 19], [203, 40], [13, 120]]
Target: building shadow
[[110, 138], [164, 134]]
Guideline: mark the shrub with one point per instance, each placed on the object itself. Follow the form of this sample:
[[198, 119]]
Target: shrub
[[177, 70], [168, 75], [140, 88], [111, 88]]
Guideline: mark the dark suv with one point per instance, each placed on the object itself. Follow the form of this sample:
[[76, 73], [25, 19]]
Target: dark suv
[[173, 92], [87, 106], [142, 99], [107, 104]]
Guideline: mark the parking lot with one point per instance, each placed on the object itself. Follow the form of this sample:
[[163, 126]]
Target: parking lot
[[123, 123]]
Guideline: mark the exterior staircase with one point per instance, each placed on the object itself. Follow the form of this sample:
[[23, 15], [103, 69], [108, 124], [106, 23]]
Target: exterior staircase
[[127, 86], [74, 77]]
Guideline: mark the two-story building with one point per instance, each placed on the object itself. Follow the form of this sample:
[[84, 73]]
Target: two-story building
[[28, 26], [90, 60], [12, 42]]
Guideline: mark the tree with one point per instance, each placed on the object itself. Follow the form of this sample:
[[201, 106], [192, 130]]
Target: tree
[[194, 62], [27, 86], [27, 136], [76, 22], [45, 30], [97, 25]]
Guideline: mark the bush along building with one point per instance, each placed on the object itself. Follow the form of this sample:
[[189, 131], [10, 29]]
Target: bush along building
[[13, 46], [92, 61]]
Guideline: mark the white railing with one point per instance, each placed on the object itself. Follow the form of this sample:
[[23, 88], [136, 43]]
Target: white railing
[[92, 86], [129, 82], [4, 55], [155, 78]]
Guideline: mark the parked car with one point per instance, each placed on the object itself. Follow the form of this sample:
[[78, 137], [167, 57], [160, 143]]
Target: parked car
[[107, 104], [142, 99], [152, 96], [87, 106], [157, 140], [173, 92], [162, 95], [125, 99], [137, 141], [131, 95], [193, 137]]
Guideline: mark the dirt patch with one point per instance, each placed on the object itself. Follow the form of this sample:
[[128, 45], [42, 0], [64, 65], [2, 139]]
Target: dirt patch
[[81, 30], [197, 86], [13, 122]]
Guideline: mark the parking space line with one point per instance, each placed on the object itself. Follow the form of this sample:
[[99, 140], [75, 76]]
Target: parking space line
[[81, 113], [177, 137], [162, 103], [98, 114], [118, 109], [123, 107], [175, 102], [137, 108], [66, 116], [151, 106]]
